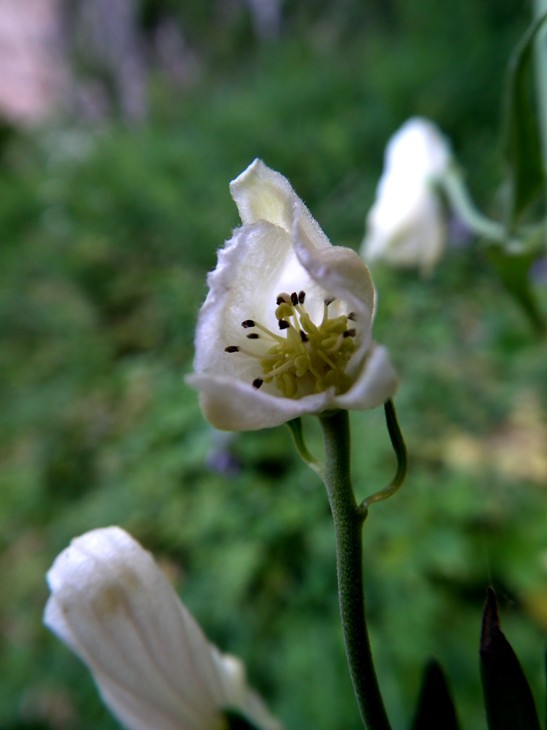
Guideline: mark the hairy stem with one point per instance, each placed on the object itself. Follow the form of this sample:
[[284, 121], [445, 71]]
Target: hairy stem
[[348, 523]]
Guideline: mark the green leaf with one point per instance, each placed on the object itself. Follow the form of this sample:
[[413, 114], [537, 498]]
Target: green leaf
[[507, 696], [522, 143], [514, 269], [435, 707]]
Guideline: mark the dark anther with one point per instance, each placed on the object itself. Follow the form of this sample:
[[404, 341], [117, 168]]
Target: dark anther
[[352, 316], [280, 300], [231, 348], [257, 382], [294, 299], [303, 336], [329, 300], [349, 333], [253, 336], [283, 324], [301, 297], [248, 323]]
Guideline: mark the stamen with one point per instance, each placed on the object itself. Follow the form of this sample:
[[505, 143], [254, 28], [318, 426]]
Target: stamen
[[285, 309], [329, 362], [307, 357], [257, 355]]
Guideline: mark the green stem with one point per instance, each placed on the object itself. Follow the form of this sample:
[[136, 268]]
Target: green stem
[[348, 523], [399, 447], [452, 184]]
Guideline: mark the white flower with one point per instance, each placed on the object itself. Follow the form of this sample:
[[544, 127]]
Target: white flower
[[152, 664], [286, 327], [405, 226]]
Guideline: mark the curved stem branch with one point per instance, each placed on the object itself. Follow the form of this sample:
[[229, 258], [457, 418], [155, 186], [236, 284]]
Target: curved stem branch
[[295, 427], [452, 184], [348, 524], [399, 447]]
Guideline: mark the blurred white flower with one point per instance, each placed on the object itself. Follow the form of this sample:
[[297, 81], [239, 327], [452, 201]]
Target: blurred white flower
[[286, 327], [152, 664], [405, 226]]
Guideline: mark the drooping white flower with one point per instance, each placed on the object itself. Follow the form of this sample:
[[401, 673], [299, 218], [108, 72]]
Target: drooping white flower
[[152, 664], [405, 226], [286, 327]]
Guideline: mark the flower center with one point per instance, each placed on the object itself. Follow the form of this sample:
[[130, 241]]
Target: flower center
[[305, 357]]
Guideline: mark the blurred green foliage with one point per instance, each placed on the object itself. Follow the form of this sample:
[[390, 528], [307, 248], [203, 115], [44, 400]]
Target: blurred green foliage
[[107, 234]]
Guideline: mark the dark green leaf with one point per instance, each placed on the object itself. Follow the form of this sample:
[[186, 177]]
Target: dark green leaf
[[513, 269], [435, 706], [507, 696], [522, 141]]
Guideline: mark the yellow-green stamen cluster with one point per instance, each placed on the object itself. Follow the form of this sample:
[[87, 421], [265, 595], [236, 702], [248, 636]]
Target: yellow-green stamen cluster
[[307, 357]]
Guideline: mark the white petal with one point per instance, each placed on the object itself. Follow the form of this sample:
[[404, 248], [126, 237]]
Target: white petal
[[405, 225], [153, 665], [376, 384], [252, 268], [418, 150], [232, 405], [263, 194], [338, 270], [415, 238]]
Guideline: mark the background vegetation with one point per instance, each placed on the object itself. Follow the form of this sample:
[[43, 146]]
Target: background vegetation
[[108, 230]]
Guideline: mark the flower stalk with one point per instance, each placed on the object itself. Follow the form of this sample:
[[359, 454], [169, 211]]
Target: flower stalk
[[399, 447], [452, 184], [348, 519]]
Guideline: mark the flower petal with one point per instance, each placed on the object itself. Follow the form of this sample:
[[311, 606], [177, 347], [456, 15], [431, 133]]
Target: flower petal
[[405, 225], [231, 405], [153, 666], [253, 265], [263, 194], [376, 384], [338, 270]]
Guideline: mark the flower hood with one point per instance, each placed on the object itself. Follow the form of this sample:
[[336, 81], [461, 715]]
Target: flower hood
[[285, 329], [405, 226], [155, 669]]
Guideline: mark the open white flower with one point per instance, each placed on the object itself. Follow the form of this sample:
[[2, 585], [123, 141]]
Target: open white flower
[[152, 664], [405, 226], [286, 327]]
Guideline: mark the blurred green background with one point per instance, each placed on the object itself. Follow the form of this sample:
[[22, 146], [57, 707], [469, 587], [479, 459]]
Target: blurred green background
[[109, 223]]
